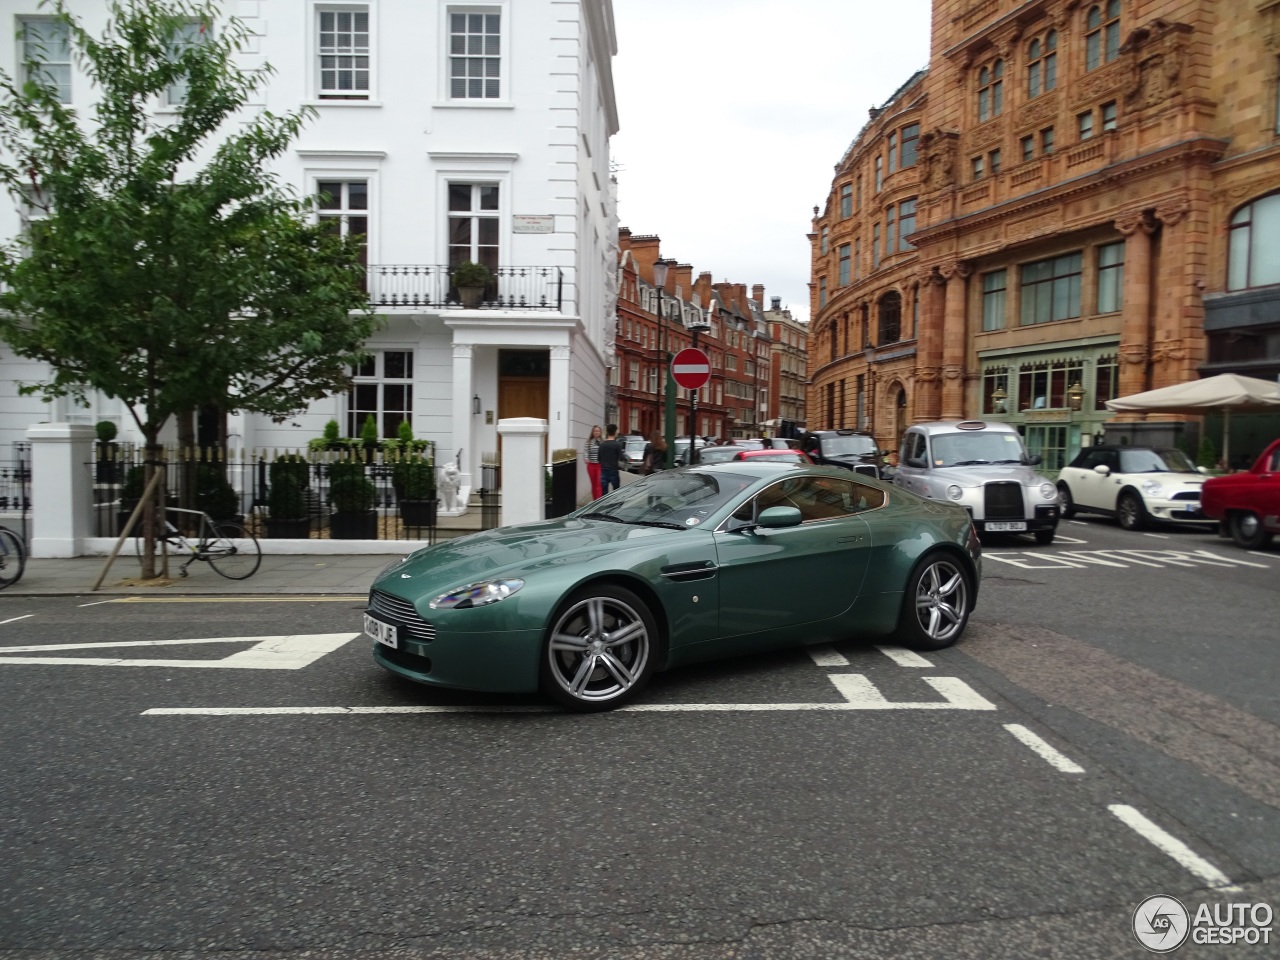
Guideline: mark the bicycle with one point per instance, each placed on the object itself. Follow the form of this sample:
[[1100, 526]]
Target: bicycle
[[13, 557], [231, 550]]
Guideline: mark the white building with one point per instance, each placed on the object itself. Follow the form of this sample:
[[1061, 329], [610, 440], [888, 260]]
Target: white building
[[501, 156]]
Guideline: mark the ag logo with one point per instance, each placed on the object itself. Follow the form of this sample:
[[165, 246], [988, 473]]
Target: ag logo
[[1161, 924]]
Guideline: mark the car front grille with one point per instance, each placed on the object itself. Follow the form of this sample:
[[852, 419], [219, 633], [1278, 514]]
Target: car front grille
[[1186, 495], [1003, 501], [385, 605]]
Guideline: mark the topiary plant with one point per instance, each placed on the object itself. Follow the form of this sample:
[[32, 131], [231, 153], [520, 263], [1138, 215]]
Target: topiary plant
[[414, 479], [106, 431], [293, 466], [1208, 456], [404, 433], [352, 494], [369, 431], [471, 274], [286, 500], [214, 494]]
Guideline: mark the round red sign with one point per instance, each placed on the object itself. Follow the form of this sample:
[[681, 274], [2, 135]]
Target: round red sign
[[690, 368]]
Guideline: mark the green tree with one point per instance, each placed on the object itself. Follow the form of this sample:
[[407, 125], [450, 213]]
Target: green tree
[[172, 270]]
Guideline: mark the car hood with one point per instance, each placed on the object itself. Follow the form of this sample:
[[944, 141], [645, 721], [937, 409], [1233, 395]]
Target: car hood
[[523, 548], [977, 475]]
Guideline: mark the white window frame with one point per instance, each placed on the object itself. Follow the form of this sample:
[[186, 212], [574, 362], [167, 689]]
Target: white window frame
[[314, 9], [176, 94], [444, 96], [22, 60], [350, 165], [378, 351], [473, 168]]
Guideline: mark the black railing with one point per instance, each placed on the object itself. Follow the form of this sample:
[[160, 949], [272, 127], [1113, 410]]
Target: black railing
[[15, 488], [511, 288]]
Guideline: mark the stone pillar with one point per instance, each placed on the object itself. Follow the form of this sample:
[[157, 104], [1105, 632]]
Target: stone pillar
[[1135, 334], [558, 393], [523, 469], [1178, 311], [61, 488], [928, 398], [464, 434], [955, 339]]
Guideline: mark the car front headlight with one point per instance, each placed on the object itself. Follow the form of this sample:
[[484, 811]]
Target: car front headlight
[[1152, 488], [955, 492], [476, 594], [1048, 491]]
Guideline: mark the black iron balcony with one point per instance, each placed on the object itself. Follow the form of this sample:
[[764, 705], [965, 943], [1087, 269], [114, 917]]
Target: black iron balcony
[[431, 287]]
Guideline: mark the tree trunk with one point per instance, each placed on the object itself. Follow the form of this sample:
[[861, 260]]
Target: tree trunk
[[188, 456]]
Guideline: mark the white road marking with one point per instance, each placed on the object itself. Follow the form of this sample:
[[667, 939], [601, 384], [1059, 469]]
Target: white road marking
[[16, 619], [1158, 536], [904, 657], [1113, 557], [1170, 845], [1078, 523], [863, 695], [1043, 750], [95, 603], [1059, 538], [267, 653], [1256, 553], [827, 656]]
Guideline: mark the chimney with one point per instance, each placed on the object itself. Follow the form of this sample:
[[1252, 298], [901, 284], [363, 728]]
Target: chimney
[[775, 303], [644, 250], [757, 293], [683, 273]]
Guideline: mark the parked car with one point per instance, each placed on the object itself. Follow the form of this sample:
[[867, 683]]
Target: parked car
[[1136, 485], [720, 454], [771, 454], [633, 453], [1247, 504], [675, 568], [681, 452], [983, 467], [854, 450]]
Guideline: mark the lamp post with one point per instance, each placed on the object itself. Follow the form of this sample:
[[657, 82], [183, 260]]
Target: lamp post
[[667, 405], [998, 397], [696, 329]]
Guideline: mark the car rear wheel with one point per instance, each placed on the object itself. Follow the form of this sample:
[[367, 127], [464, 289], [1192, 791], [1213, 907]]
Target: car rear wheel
[[1045, 537], [1064, 498], [601, 650], [1247, 530], [1130, 511], [935, 606]]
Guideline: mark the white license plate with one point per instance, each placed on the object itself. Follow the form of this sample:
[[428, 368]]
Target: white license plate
[[384, 633], [1006, 526]]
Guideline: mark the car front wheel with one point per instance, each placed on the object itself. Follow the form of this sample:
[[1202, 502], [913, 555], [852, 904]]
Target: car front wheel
[[1130, 512], [1064, 498], [601, 650], [1247, 530], [935, 606]]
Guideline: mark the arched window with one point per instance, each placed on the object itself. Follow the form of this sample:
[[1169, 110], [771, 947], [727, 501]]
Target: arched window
[[990, 91], [890, 311], [1253, 244], [1042, 64], [1102, 34], [866, 325]]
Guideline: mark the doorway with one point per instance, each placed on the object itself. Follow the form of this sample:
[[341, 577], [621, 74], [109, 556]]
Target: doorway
[[524, 386]]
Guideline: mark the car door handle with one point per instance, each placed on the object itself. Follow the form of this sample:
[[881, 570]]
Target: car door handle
[[855, 538]]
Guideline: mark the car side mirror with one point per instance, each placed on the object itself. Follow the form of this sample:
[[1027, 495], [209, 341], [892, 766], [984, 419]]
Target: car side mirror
[[1204, 470], [915, 462], [1102, 470], [772, 518], [1034, 460]]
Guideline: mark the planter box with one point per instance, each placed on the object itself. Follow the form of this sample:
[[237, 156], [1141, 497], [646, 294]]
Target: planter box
[[418, 513], [299, 529], [361, 525]]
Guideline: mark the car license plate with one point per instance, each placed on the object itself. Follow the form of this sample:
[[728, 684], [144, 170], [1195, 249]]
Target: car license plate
[[384, 633], [1006, 526]]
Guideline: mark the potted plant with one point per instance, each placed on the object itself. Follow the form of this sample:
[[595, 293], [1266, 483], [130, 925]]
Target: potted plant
[[330, 439], [471, 279], [215, 495], [353, 497], [287, 501], [414, 480]]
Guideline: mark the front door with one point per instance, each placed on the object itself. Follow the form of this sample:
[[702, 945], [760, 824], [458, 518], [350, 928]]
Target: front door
[[524, 386]]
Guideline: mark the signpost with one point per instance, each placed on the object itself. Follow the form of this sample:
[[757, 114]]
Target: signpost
[[691, 369]]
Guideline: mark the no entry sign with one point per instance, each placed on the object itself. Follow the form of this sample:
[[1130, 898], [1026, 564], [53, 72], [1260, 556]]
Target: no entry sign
[[690, 368]]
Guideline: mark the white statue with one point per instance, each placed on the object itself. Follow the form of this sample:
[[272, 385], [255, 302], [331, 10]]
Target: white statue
[[450, 481]]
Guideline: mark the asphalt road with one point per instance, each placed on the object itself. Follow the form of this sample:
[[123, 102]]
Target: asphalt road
[[1106, 731]]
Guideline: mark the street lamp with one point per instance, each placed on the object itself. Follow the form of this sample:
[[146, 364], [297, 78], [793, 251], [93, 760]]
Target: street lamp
[[696, 329], [998, 397], [667, 403], [1075, 396]]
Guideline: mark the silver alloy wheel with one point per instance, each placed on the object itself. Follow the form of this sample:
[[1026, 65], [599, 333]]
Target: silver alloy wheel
[[599, 649], [1248, 524], [942, 600], [1128, 510]]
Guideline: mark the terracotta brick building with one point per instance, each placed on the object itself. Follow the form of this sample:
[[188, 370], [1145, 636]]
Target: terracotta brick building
[[1097, 213]]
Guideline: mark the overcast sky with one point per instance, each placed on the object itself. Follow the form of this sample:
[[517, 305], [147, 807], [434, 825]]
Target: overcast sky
[[733, 115]]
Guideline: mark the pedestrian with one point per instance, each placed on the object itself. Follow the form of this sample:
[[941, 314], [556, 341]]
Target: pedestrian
[[655, 454], [608, 454], [592, 453]]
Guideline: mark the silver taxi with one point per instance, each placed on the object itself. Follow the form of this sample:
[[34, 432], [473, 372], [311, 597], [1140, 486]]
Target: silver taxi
[[984, 468]]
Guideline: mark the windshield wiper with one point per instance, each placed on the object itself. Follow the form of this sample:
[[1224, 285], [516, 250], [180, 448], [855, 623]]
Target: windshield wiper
[[602, 516], [969, 463], [1006, 461], [657, 523]]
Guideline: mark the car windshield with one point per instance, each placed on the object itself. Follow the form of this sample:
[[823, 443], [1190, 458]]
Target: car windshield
[[847, 446], [636, 445], [671, 498], [718, 454], [1155, 461], [964, 449]]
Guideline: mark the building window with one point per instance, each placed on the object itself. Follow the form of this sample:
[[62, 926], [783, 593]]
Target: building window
[[475, 55], [1110, 277], [875, 246], [473, 223], [1046, 140], [1084, 122], [906, 223], [893, 152], [1106, 381], [889, 231], [1049, 442], [46, 54], [860, 394], [344, 53], [1028, 148], [845, 255], [993, 160], [1109, 116], [382, 388], [846, 201], [185, 36], [977, 167], [890, 317], [993, 299], [879, 173], [858, 193], [343, 209], [1253, 247], [857, 259], [990, 91], [822, 296], [993, 379], [1050, 289], [633, 374], [824, 241], [1043, 386], [1102, 34], [910, 136], [1042, 64]]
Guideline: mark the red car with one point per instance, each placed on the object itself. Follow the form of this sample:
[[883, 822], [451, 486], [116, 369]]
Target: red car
[[785, 456], [1247, 503]]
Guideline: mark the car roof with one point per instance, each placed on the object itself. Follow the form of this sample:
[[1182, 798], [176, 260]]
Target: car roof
[[841, 433], [970, 426], [762, 469]]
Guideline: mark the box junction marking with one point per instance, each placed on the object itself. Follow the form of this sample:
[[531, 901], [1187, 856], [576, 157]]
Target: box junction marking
[[1122, 558]]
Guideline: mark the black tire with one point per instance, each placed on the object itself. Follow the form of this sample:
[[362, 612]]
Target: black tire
[[1130, 511], [235, 554], [13, 557], [936, 603], [1247, 530], [1045, 537], [601, 650], [1068, 505]]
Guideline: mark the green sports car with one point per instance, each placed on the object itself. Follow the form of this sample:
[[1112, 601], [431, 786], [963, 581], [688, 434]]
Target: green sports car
[[681, 566]]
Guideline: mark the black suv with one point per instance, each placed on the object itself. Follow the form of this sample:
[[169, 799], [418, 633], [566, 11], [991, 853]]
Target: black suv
[[854, 450]]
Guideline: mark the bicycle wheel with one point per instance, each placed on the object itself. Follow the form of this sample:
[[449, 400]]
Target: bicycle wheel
[[234, 552], [13, 557], [139, 543]]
